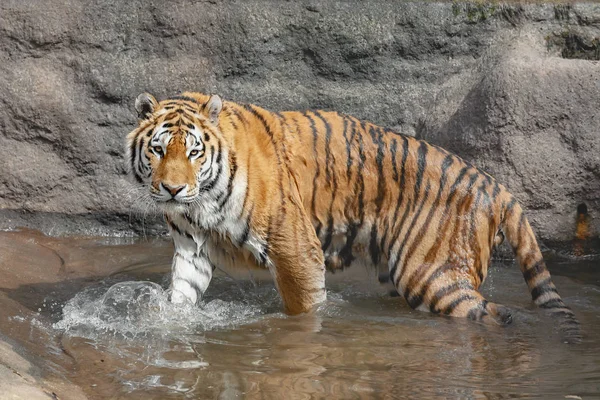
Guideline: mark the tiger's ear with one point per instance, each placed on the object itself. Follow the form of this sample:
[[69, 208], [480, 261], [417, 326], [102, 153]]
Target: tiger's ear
[[145, 104], [213, 108]]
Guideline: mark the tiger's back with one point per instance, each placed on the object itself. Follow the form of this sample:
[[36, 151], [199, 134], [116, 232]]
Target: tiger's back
[[367, 187]]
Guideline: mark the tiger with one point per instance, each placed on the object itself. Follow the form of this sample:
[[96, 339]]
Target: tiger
[[302, 193]]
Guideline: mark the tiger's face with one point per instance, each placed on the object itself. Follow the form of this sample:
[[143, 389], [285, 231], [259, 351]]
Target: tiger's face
[[176, 149]]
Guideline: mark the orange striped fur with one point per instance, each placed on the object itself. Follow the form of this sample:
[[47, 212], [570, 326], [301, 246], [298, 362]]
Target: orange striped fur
[[301, 192]]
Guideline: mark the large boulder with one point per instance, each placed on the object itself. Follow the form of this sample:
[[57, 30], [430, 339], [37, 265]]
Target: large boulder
[[71, 70], [532, 120]]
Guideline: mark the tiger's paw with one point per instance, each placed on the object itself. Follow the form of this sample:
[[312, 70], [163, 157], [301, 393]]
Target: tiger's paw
[[498, 314], [183, 292]]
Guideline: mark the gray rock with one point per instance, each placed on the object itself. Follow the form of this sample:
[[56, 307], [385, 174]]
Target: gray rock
[[487, 81], [529, 119]]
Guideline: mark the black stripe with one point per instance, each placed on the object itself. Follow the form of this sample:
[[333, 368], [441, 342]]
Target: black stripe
[[410, 228], [354, 226], [401, 186], [496, 191], [329, 159], [414, 301], [352, 136], [405, 151], [438, 272], [265, 251], [328, 234], [511, 204], [482, 190], [208, 187], [373, 247], [233, 123], [327, 146], [472, 229], [452, 306], [132, 156], [393, 147], [348, 148], [261, 118], [446, 164], [359, 186], [554, 303], [361, 178], [179, 230], [180, 97], [232, 173], [283, 129], [457, 182], [246, 233], [385, 231], [346, 252], [421, 164], [188, 218], [538, 268], [269, 132], [567, 314], [444, 292], [194, 260], [317, 166], [520, 230], [239, 116], [392, 242], [141, 154], [543, 288], [377, 138]]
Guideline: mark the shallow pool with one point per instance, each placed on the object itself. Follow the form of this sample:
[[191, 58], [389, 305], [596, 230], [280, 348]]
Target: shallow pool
[[104, 322]]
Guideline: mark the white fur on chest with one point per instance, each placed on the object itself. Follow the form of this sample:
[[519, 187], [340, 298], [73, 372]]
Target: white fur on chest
[[217, 226]]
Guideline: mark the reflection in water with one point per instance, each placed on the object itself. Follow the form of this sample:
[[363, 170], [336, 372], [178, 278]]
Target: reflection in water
[[123, 339], [360, 344]]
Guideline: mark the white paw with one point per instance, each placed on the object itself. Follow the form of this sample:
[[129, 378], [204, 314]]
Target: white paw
[[183, 293], [178, 298]]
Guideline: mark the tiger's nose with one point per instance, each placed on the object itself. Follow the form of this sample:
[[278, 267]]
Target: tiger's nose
[[173, 189]]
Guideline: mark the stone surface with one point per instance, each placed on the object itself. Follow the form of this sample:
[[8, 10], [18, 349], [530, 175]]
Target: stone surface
[[487, 81]]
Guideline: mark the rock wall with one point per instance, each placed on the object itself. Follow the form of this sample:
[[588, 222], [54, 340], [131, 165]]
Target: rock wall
[[513, 88]]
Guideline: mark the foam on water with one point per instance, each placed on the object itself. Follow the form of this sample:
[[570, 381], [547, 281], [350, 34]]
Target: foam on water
[[131, 309]]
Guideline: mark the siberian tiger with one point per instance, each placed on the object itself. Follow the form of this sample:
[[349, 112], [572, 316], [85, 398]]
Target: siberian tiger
[[302, 192]]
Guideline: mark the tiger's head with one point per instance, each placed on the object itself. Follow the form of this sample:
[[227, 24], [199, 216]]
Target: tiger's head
[[176, 151]]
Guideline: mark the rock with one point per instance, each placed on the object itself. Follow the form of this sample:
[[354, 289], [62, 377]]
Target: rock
[[528, 121], [21, 376], [72, 69]]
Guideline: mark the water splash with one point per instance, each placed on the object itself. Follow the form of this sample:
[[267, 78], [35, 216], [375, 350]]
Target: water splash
[[130, 309]]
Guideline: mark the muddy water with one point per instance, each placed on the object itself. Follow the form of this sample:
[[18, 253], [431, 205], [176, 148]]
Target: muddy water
[[95, 312]]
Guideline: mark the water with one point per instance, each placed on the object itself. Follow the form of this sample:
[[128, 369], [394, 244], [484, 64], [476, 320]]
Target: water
[[111, 330]]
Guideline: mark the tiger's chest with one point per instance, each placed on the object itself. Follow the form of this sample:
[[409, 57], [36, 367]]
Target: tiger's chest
[[228, 244]]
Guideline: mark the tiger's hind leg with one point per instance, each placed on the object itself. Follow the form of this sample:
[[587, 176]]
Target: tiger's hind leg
[[446, 289]]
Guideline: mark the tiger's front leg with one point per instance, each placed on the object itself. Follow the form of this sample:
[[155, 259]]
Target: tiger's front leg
[[191, 275], [298, 265]]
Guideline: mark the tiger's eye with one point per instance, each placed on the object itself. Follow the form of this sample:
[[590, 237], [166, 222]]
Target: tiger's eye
[[194, 153], [158, 149]]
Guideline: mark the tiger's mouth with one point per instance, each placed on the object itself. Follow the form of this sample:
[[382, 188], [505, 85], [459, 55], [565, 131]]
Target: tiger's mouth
[[174, 200], [163, 193]]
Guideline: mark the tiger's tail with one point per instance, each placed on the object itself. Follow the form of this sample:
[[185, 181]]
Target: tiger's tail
[[543, 292]]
